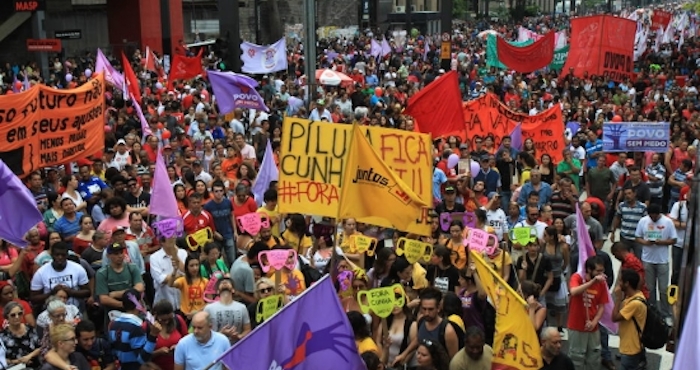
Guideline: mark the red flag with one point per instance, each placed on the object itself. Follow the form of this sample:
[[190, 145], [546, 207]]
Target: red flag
[[132, 83], [150, 60], [660, 19], [526, 59], [602, 45], [185, 68], [438, 107]]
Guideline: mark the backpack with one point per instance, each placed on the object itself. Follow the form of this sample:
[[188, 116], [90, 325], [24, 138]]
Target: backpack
[[441, 330], [311, 275], [655, 333]]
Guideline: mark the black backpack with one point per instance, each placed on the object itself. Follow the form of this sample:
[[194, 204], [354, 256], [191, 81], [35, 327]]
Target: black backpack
[[311, 275], [655, 333]]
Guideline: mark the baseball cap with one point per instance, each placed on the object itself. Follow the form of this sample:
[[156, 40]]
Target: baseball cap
[[463, 146], [450, 189], [197, 163], [484, 158], [167, 146], [213, 116], [320, 102], [118, 229], [115, 248], [684, 192], [629, 162], [493, 194], [121, 142]]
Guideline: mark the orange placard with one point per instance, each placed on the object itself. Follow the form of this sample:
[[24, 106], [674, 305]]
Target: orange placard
[[44, 126], [44, 45], [488, 116], [446, 50]]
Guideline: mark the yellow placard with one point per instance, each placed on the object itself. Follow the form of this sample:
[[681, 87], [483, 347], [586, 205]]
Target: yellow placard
[[360, 244], [446, 50], [414, 250], [382, 301], [199, 238], [314, 156], [523, 235], [268, 307]]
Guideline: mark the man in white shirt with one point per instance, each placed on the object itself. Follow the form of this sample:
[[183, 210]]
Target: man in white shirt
[[60, 274], [237, 123], [163, 262], [320, 112], [495, 216], [656, 232], [247, 150], [199, 173]]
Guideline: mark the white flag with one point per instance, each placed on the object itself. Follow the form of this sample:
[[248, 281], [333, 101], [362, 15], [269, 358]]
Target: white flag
[[262, 59]]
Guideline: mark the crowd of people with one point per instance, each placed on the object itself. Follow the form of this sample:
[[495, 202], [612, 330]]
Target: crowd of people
[[97, 288]]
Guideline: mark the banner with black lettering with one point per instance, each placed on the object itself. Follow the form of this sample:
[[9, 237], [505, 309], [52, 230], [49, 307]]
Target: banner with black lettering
[[636, 137], [44, 126]]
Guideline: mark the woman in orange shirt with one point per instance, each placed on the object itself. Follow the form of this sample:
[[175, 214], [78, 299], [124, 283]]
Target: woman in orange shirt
[[231, 163], [191, 287], [181, 197]]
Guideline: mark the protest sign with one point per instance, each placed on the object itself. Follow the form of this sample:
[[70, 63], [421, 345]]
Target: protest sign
[[314, 156], [382, 301], [636, 137], [481, 241], [414, 250], [277, 259], [45, 127], [268, 306], [488, 116], [559, 59]]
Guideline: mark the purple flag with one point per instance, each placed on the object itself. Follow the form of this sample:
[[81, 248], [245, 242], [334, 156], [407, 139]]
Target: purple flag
[[268, 172], [235, 91], [386, 48], [18, 213], [376, 50], [516, 138], [15, 88], [166, 206], [27, 86], [585, 251], [572, 128], [145, 129], [426, 48], [112, 76], [310, 333], [687, 350]]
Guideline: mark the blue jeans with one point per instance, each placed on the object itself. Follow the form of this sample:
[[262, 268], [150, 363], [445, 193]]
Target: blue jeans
[[604, 348], [634, 362]]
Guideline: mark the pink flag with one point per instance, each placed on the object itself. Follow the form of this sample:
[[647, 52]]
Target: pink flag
[[376, 50], [585, 251], [166, 206], [145, 129]]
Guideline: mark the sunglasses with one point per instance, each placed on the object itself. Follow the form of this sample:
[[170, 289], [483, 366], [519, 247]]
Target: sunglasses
[[15, 314], [265, 290], [427, 343]]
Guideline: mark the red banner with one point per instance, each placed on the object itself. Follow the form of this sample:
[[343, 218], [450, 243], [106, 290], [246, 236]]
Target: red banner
[[601, 45], [660, 19], [526, 59], [488, 116], [438, 107], [185, 68]]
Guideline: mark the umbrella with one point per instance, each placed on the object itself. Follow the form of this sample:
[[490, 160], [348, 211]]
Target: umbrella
[[330, 77]]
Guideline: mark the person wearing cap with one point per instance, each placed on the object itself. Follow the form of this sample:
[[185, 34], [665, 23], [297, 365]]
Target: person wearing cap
[[122, 157], [114, 279], [320, 111], [129, 248], [490, 177], [449, 204], [132, 340], [679, 215]]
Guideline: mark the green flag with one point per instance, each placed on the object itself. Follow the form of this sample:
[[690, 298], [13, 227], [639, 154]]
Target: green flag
[[559, 58]]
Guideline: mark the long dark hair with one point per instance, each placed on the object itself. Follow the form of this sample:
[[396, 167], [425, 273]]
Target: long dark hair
[[380, 264], [399, 265], [441, 360], [297, 225], [188, 277]]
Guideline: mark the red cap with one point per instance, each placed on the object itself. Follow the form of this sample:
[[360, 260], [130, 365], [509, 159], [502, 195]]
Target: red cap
[[84, 162], [684, 192], [629, 162]]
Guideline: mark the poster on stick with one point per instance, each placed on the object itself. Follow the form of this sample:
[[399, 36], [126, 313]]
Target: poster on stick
[[44, 126], [314, 155], [636, 137]]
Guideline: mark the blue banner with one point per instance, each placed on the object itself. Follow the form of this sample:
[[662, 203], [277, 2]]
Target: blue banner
[[636, 137]]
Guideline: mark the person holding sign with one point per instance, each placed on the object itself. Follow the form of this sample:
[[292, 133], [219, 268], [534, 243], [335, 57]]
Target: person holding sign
[[455, 245], [191, 286], [532, 215]]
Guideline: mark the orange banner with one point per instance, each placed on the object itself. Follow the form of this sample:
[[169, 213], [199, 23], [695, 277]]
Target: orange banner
[[44, 126], [488, 116]]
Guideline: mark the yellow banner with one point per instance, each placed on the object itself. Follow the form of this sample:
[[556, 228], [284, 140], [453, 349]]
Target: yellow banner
[[314, 156], [372, 193], [515, 343]]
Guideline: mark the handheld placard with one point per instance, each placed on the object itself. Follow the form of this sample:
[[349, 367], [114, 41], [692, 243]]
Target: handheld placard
[[481, 241], [523, 235], [168, 228], [382, 301], [253, 222], [268, 307], [199, 238], [277, 259], [414, 250]]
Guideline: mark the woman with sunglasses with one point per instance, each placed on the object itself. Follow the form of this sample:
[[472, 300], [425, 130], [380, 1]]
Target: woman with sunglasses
[[63, 343], [264, 288], [431, 356], [174, 329], [7, 296], [22, 342]]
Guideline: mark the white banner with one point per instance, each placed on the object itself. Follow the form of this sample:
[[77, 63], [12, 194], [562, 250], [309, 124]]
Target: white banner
[[262, 59]]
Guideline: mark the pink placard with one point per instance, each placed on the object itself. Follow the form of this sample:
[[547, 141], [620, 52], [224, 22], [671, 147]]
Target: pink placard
[[277, 259], [481, 241], [169, 228], [253, 222]]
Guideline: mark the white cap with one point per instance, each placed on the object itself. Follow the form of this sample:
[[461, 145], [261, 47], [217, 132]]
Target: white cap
[[121, 142]]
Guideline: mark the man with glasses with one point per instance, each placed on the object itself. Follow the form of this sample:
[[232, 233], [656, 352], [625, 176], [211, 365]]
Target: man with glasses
[[136, 198], [228, 317], [129, 248], [221, 209]]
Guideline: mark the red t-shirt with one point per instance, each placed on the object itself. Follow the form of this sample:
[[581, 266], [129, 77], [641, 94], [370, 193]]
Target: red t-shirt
[[633, 263], [168, 361], [249, 206], [193, 223], [593, 296]]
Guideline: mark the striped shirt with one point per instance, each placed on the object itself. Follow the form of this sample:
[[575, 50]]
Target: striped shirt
[[131, 344], [679, 176], [656, 187], [629, 218]]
